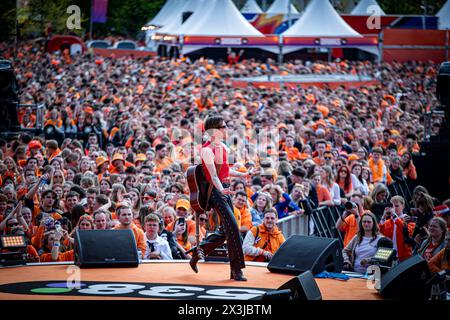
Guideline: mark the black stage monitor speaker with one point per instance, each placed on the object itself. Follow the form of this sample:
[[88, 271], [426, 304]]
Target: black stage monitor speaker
[[302, 287], [407, 280], [301, 253], [9, 97], [443, 84], [105, 249], [9, 88]]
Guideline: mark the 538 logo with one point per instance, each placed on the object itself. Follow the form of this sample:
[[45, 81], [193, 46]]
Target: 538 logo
[[134, 290]]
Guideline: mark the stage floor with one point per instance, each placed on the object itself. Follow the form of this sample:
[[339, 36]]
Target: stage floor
[[158, 280]]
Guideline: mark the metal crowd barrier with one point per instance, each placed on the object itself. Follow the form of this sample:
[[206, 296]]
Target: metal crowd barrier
[[294, 225], [401, 188], [321, 223]]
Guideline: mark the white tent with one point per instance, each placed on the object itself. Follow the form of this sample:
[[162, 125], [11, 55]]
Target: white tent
[[320, 19], [251, 7], [282, 7], [177, 18], [166, 13], [367, 8], [218, 18], [444, 16], [198, 16], [192, 5]]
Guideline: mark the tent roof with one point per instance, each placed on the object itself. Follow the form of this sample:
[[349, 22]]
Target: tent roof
[[165, 14], [195, 18], [251, 7], [362, 9], [175, 23], [320, 19], [191, 6], [218, 18], [281, 7], [444, 16]]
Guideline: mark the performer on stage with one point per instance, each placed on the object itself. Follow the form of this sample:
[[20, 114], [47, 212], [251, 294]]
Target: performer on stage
[[217, 172]]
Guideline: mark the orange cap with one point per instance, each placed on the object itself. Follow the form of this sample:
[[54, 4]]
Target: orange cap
[[118, 156], [183, 203], [34, 144], [140, 157], [100, 160]]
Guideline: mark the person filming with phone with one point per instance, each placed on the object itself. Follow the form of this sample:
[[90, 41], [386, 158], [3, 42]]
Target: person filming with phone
[[348, 222], [394, 224]]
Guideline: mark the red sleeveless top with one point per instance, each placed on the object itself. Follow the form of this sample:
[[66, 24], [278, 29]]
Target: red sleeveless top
[[224, 173]]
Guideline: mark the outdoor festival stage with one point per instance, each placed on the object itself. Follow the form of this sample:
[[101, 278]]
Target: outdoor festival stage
[[158, 280], [332, 81]]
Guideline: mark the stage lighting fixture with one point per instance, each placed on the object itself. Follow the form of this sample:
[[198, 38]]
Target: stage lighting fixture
[[13, 242], [13, 249], [384, 255]]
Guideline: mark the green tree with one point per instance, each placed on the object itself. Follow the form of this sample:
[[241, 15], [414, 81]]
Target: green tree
[[8, 20], [410, 6], [127, 17]]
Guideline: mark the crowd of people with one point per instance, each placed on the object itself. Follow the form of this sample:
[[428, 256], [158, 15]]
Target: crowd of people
[[125, 130]]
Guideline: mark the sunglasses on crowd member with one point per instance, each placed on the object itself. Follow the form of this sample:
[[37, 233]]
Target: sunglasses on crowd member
[[15, 224], [328, 158], [203, 219]]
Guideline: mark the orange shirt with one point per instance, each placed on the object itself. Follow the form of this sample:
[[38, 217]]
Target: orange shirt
[[160, 165], [384, 144], [37, 211], [137, 222], [350, 227], [437, 263], [410, 172], [32, 253], [186, 246], [65, 256], [139, 236], [202, 106], [323, 194], [292, 153], [54, 154], [246, 217], [318, 161], [237, 215], [387, 229]]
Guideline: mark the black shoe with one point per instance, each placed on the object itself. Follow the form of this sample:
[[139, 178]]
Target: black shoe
[[195, 257], [237, 275]]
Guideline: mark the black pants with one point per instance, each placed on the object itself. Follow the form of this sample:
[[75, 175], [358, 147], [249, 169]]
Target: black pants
[[228, 230]]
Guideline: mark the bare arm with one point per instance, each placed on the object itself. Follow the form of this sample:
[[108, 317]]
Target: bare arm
[[9, 216], [106, 207], [34, 189], [235, 173], [20, 217]]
